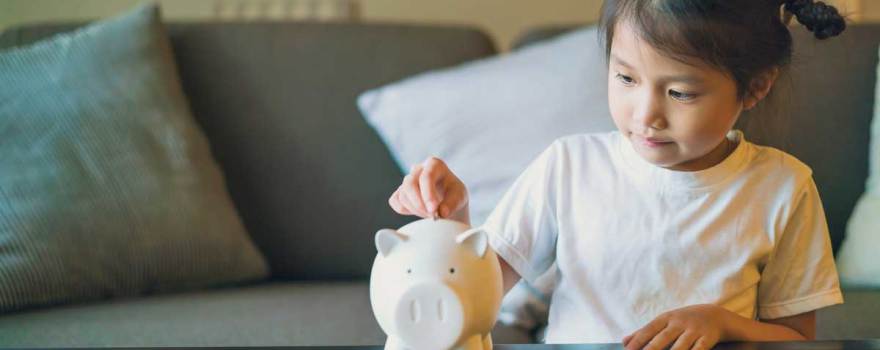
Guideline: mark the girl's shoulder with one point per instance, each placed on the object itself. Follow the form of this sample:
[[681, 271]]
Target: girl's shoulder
[[777, 165]]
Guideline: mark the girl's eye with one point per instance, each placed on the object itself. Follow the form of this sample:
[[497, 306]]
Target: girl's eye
[[681, 96], [624, 79]]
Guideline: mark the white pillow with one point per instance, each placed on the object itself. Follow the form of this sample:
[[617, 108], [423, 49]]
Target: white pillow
[[858, 262], [489, 118]]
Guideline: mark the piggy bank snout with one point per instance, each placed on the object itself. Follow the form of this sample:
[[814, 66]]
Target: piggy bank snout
[[429, 315]]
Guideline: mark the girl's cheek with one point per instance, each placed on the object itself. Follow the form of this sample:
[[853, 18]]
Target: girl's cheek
[[618, 107]]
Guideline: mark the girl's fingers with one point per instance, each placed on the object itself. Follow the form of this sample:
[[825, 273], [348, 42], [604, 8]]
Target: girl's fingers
[[664, 338], [412, 192], [431, 184], [685, 341], [396, 203], [703, 343], [453, 202], [643, 336], [407, 203], [404, 199], [429, 188]]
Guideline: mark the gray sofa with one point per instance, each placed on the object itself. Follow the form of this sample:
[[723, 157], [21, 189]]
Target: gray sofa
[[311, 179]]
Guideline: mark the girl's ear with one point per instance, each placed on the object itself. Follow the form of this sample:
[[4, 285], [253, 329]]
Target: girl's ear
[[760, 87]]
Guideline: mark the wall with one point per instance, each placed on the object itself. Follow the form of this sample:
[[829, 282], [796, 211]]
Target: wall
[[504, 20]]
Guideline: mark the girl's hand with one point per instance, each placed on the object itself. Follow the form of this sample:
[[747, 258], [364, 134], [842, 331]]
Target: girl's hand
[[697, 327], [428, 188]]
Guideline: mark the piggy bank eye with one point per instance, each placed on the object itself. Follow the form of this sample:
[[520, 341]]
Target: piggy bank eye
[[408, 270], [451, 270]]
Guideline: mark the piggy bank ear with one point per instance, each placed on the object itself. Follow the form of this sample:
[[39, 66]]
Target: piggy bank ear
[[474, 239], [387, 239]]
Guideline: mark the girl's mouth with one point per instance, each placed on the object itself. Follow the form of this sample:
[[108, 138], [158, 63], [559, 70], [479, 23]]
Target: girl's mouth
[[651, 142]]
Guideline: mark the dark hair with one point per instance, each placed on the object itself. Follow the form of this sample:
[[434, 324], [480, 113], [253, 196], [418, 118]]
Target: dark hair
[[743, 38]]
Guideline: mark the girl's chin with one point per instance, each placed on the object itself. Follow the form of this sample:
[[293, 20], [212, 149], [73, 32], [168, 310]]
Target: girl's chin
[[658, 158]]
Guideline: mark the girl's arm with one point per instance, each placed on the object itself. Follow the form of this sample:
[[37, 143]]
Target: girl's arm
[[797, 327], [704, 325], [508, 275]]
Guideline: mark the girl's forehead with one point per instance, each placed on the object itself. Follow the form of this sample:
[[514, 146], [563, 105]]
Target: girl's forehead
[[627, 45], [630, 50]]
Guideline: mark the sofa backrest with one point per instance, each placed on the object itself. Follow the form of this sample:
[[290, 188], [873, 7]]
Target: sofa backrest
[[820, 113], [308, 175]]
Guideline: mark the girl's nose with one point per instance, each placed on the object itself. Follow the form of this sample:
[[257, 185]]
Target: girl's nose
[[649, 114]]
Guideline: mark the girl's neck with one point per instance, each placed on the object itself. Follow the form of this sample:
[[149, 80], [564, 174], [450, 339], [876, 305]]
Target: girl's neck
[[713, 158]]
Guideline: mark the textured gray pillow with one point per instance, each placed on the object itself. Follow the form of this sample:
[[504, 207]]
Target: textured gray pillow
[[107, 186]]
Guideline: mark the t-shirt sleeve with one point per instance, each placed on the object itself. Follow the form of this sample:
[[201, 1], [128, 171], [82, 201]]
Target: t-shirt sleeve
[[522, 227], [800, 275]]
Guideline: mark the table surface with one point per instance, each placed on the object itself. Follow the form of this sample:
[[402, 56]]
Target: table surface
[[872, 344]]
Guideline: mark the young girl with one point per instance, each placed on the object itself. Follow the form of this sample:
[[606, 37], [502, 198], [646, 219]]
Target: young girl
[[673, 231]]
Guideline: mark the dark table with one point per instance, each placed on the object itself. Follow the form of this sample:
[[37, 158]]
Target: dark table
[[873, 344]]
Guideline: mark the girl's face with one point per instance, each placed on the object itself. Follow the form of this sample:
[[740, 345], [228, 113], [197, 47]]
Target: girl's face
[[676, 115]]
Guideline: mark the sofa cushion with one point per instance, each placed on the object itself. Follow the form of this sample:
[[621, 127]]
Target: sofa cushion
[[107, 185], [312, 180], [271, 314], [857, 318], [277, 101]]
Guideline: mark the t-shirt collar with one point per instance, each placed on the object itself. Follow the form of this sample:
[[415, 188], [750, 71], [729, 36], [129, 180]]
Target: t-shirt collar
[[671, 180]]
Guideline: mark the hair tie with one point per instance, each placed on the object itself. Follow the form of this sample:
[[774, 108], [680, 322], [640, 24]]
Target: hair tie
[[821, 19]]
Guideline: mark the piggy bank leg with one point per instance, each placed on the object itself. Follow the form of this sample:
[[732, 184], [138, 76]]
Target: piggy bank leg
[[487, 341], [392, 343]]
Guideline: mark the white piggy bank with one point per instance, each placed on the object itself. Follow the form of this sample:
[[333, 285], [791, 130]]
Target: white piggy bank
[[436, 285]]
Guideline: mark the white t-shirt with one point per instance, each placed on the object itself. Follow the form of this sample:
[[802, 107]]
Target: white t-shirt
[[633, 240]]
